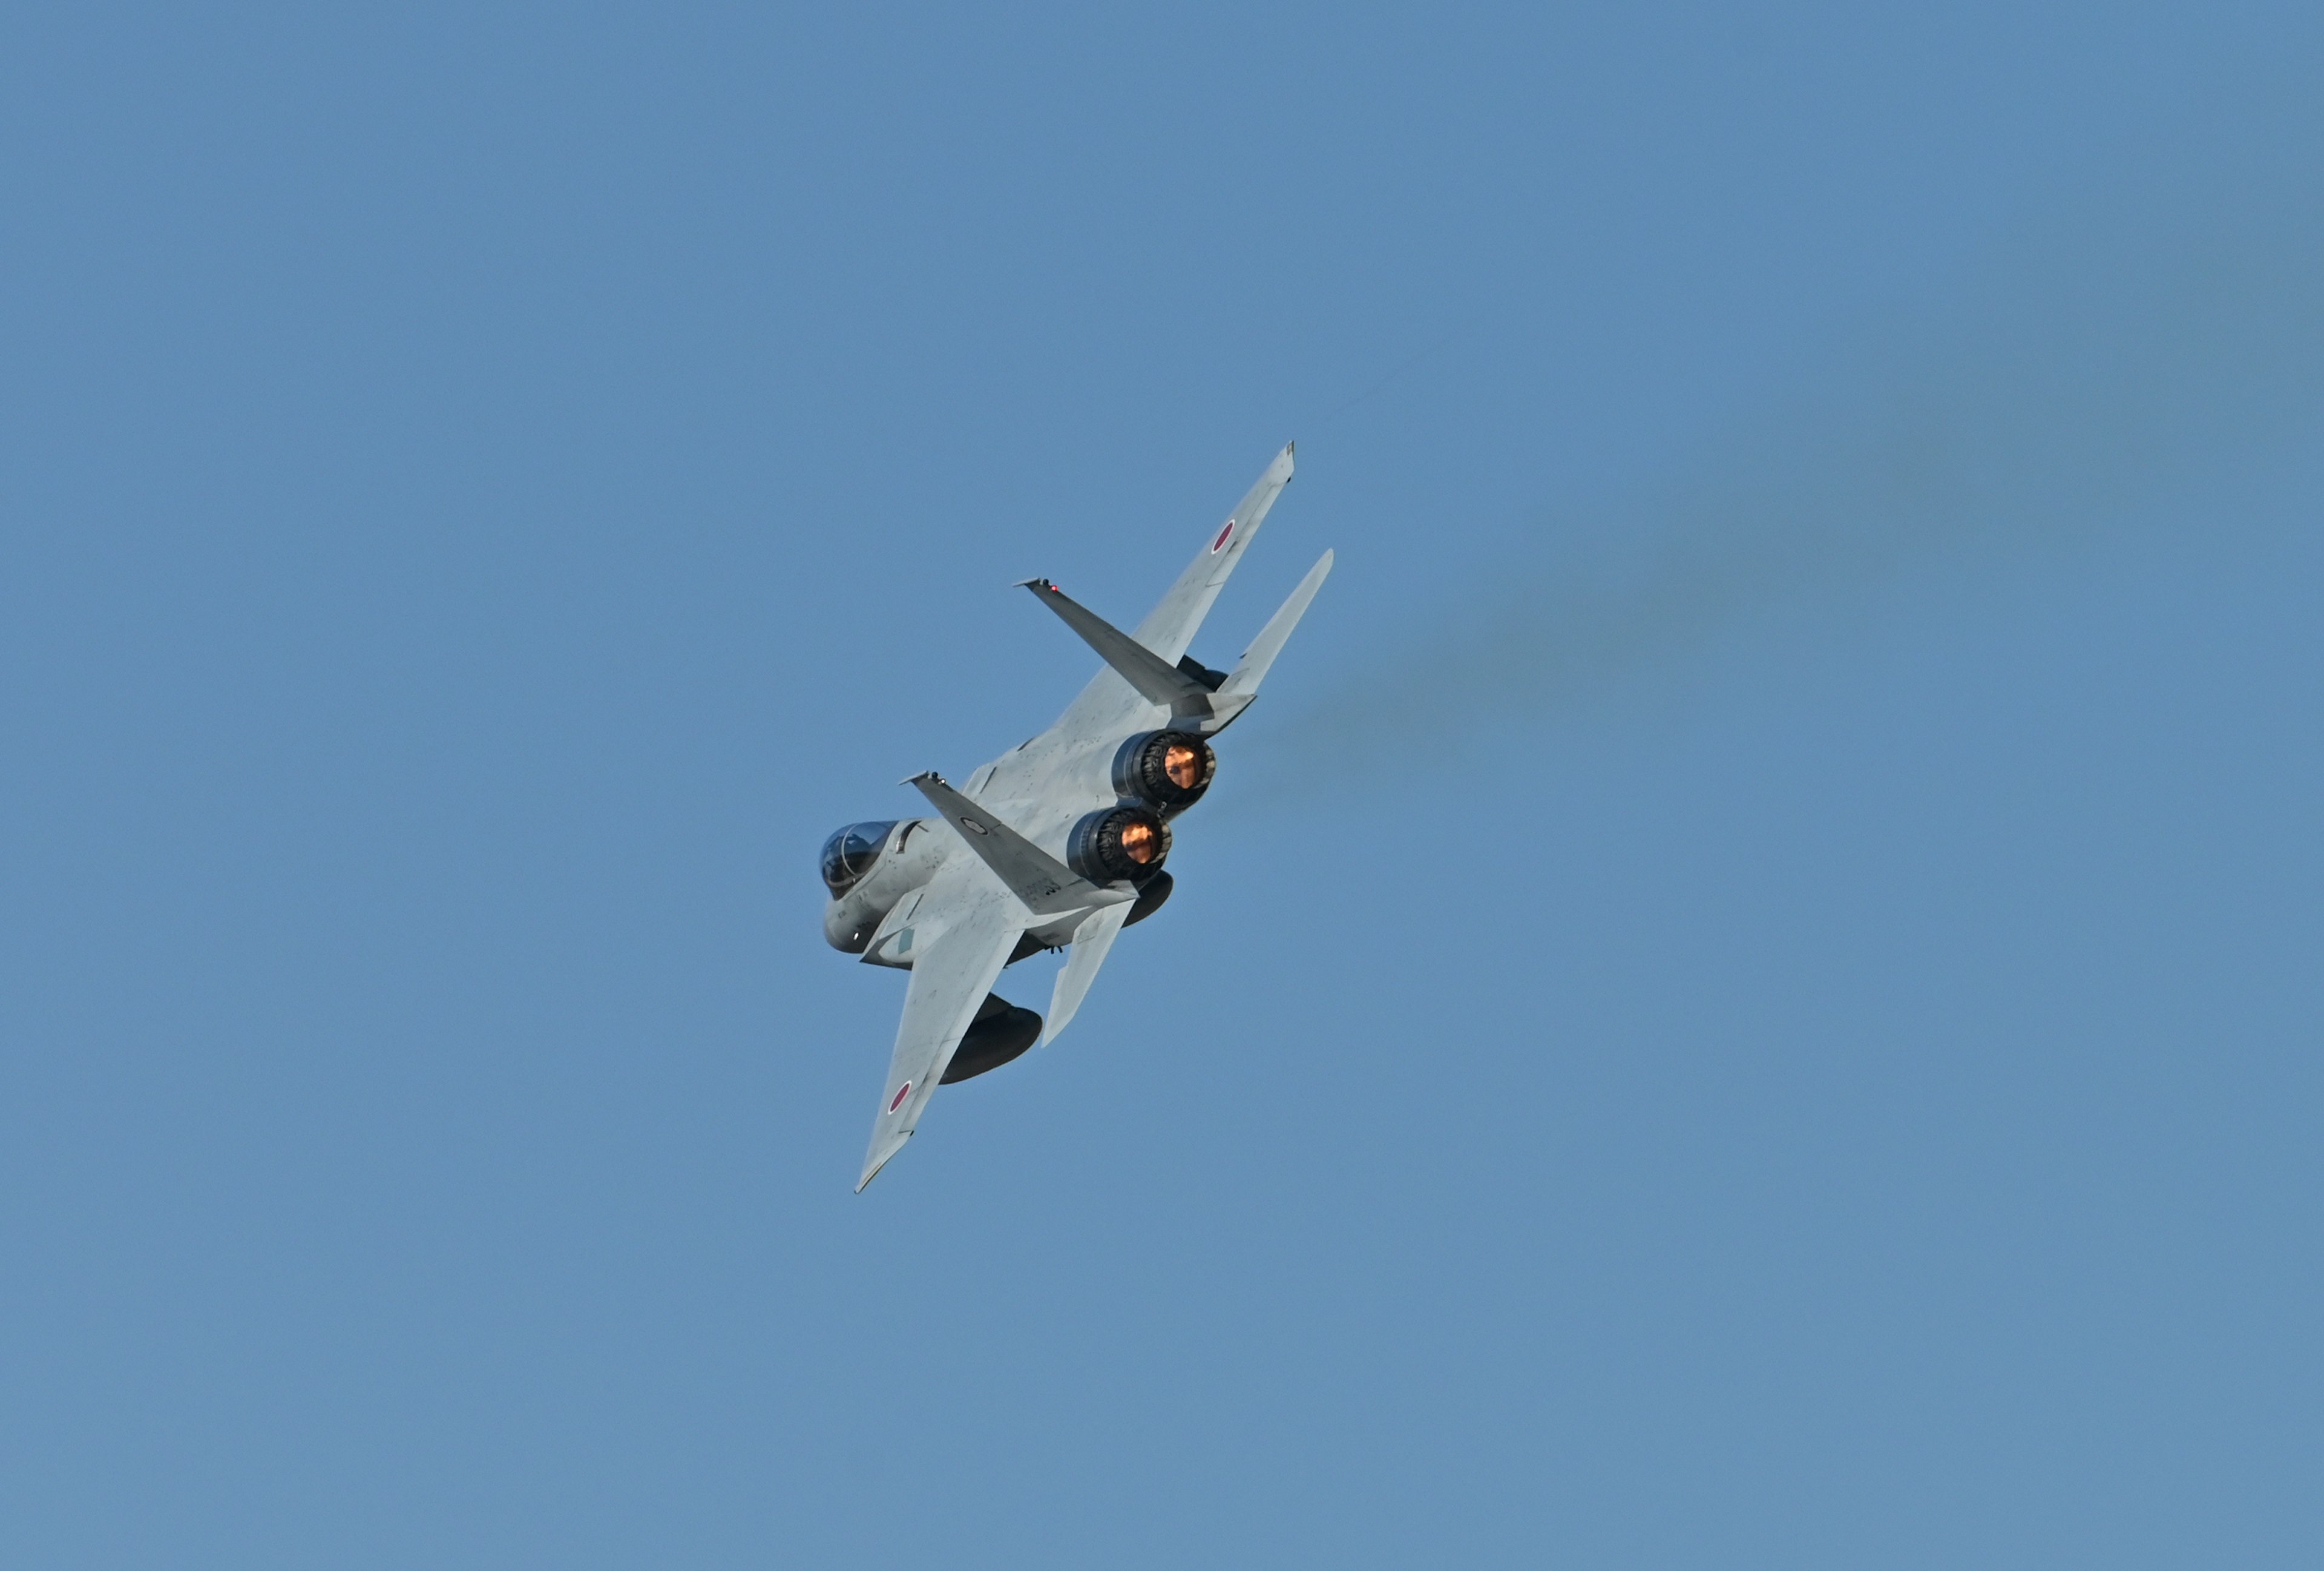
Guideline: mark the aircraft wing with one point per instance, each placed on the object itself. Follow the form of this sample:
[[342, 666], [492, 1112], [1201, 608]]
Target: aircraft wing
[[949, 981], [1171, 626]]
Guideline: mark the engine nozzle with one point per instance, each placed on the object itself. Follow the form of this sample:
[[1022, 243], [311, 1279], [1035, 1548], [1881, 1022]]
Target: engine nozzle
[[1170, 769], [1117, 844]]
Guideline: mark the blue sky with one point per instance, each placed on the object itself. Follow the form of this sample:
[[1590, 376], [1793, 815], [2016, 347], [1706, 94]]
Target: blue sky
[[1749, 997]]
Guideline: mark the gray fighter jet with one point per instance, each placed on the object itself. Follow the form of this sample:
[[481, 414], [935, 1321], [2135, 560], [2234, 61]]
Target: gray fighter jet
[[1058, 843]]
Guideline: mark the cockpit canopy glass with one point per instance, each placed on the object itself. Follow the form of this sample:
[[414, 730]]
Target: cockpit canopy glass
[[850, 853]]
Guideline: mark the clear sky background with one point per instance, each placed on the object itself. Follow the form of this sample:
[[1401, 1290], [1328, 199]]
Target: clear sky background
[[1749, 997]]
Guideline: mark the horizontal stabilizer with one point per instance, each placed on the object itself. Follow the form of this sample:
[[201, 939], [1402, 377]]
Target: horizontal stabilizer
[[1193, 703], [1048, 886], [1155, 678]]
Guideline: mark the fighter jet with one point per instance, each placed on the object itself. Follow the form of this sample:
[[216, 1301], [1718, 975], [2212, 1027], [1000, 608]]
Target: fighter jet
[[1056, 843]]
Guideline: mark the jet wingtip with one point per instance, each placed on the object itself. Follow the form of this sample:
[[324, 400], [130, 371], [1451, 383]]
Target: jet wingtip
[[872, 1170]]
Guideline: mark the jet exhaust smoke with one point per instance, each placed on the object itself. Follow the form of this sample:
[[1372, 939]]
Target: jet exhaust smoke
[[2099, 370]]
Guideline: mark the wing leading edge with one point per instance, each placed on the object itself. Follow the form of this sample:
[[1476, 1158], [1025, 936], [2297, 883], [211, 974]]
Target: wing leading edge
[[1172, 625], [949, 982]]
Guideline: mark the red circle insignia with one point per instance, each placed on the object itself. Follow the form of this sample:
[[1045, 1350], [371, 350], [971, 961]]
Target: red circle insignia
[[1222, 537], [901, 1092]]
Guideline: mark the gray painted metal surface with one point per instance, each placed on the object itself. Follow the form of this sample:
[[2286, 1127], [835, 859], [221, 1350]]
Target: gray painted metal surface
[[951, 898]]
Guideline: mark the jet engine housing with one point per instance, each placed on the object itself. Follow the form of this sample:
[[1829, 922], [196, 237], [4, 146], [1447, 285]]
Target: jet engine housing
[[1170, 770], [1114, 844]]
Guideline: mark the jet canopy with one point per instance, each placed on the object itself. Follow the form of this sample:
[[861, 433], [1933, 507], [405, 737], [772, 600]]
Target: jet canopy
[[850, 853]]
